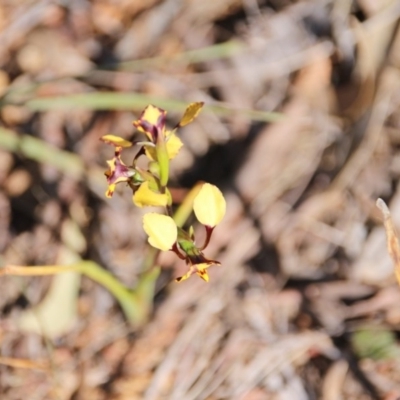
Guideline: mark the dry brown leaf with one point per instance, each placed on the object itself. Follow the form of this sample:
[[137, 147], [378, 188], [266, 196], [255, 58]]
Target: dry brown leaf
[[49, 53], [23, 363], [146, 30]]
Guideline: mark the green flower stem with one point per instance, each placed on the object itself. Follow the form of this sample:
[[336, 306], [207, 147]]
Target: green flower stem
[[163, 161], [185, 209]]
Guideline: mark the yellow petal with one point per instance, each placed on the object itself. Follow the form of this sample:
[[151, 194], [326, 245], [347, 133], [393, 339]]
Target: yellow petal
[[152, 117], [161, 229], [144, 196], [186, 276], [150, 153], [209, 205], [199, 269], [110, 190], [115, 141], [191, 113], [202, 273], [151, 114], [174, 144]]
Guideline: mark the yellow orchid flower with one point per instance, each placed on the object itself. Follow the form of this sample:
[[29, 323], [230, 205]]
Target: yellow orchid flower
[[152, 120], [163, 234]]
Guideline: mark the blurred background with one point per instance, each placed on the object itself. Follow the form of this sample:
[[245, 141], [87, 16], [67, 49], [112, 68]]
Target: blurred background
[[300, 131]]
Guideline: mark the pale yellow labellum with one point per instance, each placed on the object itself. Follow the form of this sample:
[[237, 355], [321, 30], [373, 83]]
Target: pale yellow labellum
[[144, 196], [161, 229], [209, 205]]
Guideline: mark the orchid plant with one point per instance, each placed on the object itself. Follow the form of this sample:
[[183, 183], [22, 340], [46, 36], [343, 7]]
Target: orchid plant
[[150, 188]]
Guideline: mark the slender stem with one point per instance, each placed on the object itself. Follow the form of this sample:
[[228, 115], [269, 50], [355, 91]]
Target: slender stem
[[175, 249], [185, 209], [163, 160], [138, 154], [169, 211], [209, 231]]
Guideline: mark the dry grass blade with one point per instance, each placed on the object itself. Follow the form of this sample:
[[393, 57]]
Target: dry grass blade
[[34, 271], [334, 380], [23, 363], [392, 240]]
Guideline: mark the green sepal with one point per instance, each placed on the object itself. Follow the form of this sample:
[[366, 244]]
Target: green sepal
[[191, 232], [188, 247], [154, 168], [137, 178], [168, 193], [146, 176]]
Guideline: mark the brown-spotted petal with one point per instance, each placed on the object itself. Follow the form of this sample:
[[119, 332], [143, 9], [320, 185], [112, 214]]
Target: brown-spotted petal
[[115, 141], [191, 112], [118, 172], [199, 269], [151, 122]]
